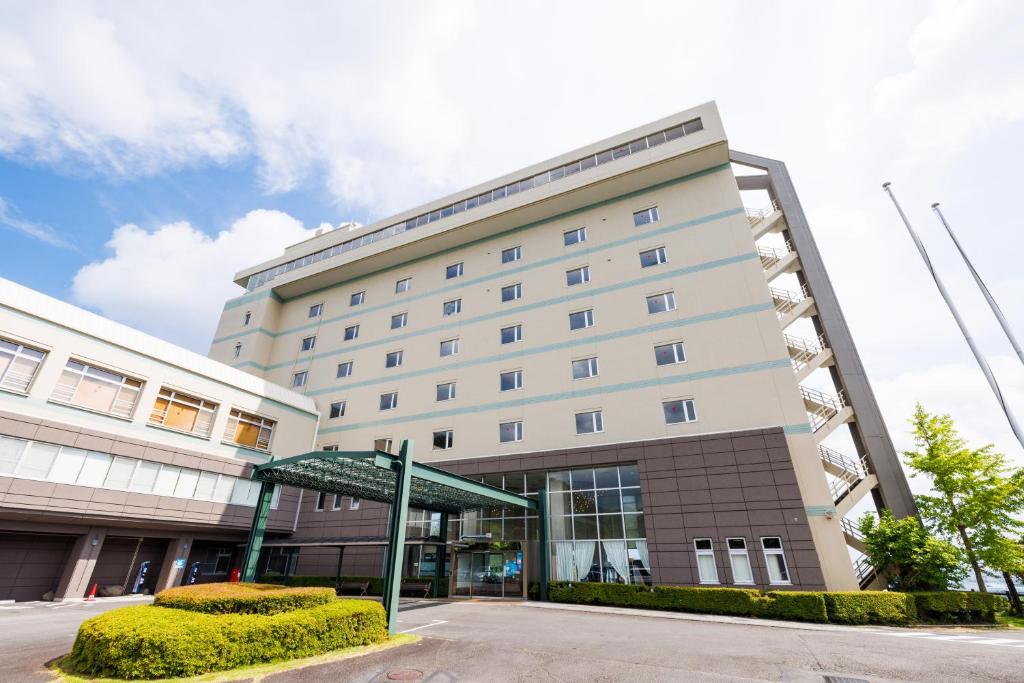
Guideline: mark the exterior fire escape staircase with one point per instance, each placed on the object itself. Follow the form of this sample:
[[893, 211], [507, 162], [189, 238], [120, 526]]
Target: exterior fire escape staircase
[[849, 478]]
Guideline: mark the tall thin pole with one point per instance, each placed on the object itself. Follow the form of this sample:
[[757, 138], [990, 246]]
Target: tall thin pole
[[982, 363], [981, 285]]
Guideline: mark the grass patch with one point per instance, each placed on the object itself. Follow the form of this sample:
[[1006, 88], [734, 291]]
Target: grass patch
[[1010, 621], [254, 673]]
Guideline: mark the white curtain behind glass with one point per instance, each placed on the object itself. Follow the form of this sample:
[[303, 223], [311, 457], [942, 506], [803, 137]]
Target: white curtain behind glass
[[584, 558], [615, 551], [564, 560]]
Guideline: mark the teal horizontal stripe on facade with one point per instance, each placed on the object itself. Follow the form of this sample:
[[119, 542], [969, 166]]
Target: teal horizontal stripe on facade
[[804, 428], [500, 274], [506, 312], [255, 296], [566, 395], [343, 386]]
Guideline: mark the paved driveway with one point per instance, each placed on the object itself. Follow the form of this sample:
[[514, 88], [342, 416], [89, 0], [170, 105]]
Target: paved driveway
[[493, 641]]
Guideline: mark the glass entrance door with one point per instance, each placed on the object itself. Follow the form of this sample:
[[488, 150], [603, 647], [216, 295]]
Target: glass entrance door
[[489, 574]]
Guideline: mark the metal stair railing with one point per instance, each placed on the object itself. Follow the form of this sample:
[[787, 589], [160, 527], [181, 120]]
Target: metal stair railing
[[850, 529], [770, 255], [755, 216], [851, 465], [786, 300], [803, 351], [825, 406], [864, 570]]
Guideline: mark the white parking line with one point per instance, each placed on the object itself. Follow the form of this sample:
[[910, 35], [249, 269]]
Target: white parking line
[[437, 622], [969, 640]]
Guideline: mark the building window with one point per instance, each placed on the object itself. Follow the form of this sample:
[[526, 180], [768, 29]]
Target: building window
[[511, 254], [512, 379], [183, 412], [238, 349], [646, 216], [18, 365], [452, 307], [510, 431], [511, 334], [403, 285], [246, 319], [336, 505], [575, 236], [337, 410], [446, 391], [653, 257], [512, 292], [453, 271], [739, 560], [94, 389], [590, 422], [659, 303], [308, 343], [775, 559], [449, 347], [444, 440], [351, 332], [344, 369], [393, 359], [581, 319], [669, 354], [321, 498], [399, 320], [389, 400], [383, 445], [706, 566], [353, 503], [584, 367], [330, 448], [315, 310], [679, 411], [577, 276], [246, 429], [357, 298], [299, 379]]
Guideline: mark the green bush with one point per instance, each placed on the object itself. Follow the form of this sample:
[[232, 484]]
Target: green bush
[[870, 607], [707, 600], [954, 606], [242, 598], [158, 642], [794, 605]]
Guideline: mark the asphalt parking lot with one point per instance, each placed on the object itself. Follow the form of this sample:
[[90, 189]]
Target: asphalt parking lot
[[496, 641]]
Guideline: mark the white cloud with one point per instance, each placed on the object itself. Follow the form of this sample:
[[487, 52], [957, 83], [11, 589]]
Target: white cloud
[[172, 282], [11, 218]]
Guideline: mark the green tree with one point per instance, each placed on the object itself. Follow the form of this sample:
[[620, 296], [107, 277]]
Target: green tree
[[978, 498], [910, 557]]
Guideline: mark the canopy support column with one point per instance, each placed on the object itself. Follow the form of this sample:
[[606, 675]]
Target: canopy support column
[[259, 525], [441, 554], [396, 537], [545, 551], [337, 576]]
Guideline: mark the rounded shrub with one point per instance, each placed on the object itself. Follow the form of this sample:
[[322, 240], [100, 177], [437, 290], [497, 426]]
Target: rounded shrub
[[242, 598], [158, 642], [870, 607]]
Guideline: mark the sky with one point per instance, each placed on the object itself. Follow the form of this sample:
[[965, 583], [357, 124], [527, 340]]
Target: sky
[[148, 151]]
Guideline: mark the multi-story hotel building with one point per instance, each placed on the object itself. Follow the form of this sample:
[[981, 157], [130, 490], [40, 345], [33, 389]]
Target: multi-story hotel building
[[125, 460], [610, 324]]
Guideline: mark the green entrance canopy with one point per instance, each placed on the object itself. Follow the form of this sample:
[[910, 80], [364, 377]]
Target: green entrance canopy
[[386, 478]]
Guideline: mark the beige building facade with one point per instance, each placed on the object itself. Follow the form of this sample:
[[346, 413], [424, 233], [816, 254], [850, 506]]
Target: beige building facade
[[610, 314], [125, 460]]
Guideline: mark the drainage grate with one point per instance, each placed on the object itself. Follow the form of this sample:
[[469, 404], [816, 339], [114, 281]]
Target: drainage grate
[[843, 679], [404, 675]]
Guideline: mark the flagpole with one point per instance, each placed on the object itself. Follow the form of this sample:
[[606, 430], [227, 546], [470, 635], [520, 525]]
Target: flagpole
[[981, 285], [982, 363]]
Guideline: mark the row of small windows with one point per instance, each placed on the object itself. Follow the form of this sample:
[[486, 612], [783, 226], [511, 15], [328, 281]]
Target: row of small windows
[[105, 391], [739, 560], [321, 502], [656, 303], [511, 292], [664, 354], [591, 161]]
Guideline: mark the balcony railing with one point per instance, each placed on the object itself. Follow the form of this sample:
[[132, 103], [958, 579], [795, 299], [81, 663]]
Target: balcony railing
[[755, 216], [821, 407], [770, 255], [803, 351], [786, 300]]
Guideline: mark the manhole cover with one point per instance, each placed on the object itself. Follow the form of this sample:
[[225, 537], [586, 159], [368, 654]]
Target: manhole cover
[[404, 675], [835, 679]]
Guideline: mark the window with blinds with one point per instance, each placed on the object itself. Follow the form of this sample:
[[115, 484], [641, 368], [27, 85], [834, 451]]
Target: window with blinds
[[182, 412]]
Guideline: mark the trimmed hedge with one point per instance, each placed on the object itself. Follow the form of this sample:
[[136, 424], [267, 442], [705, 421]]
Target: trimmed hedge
[[870, 607], [947, 607], [159, 642], [860, 607], [242, 598]]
